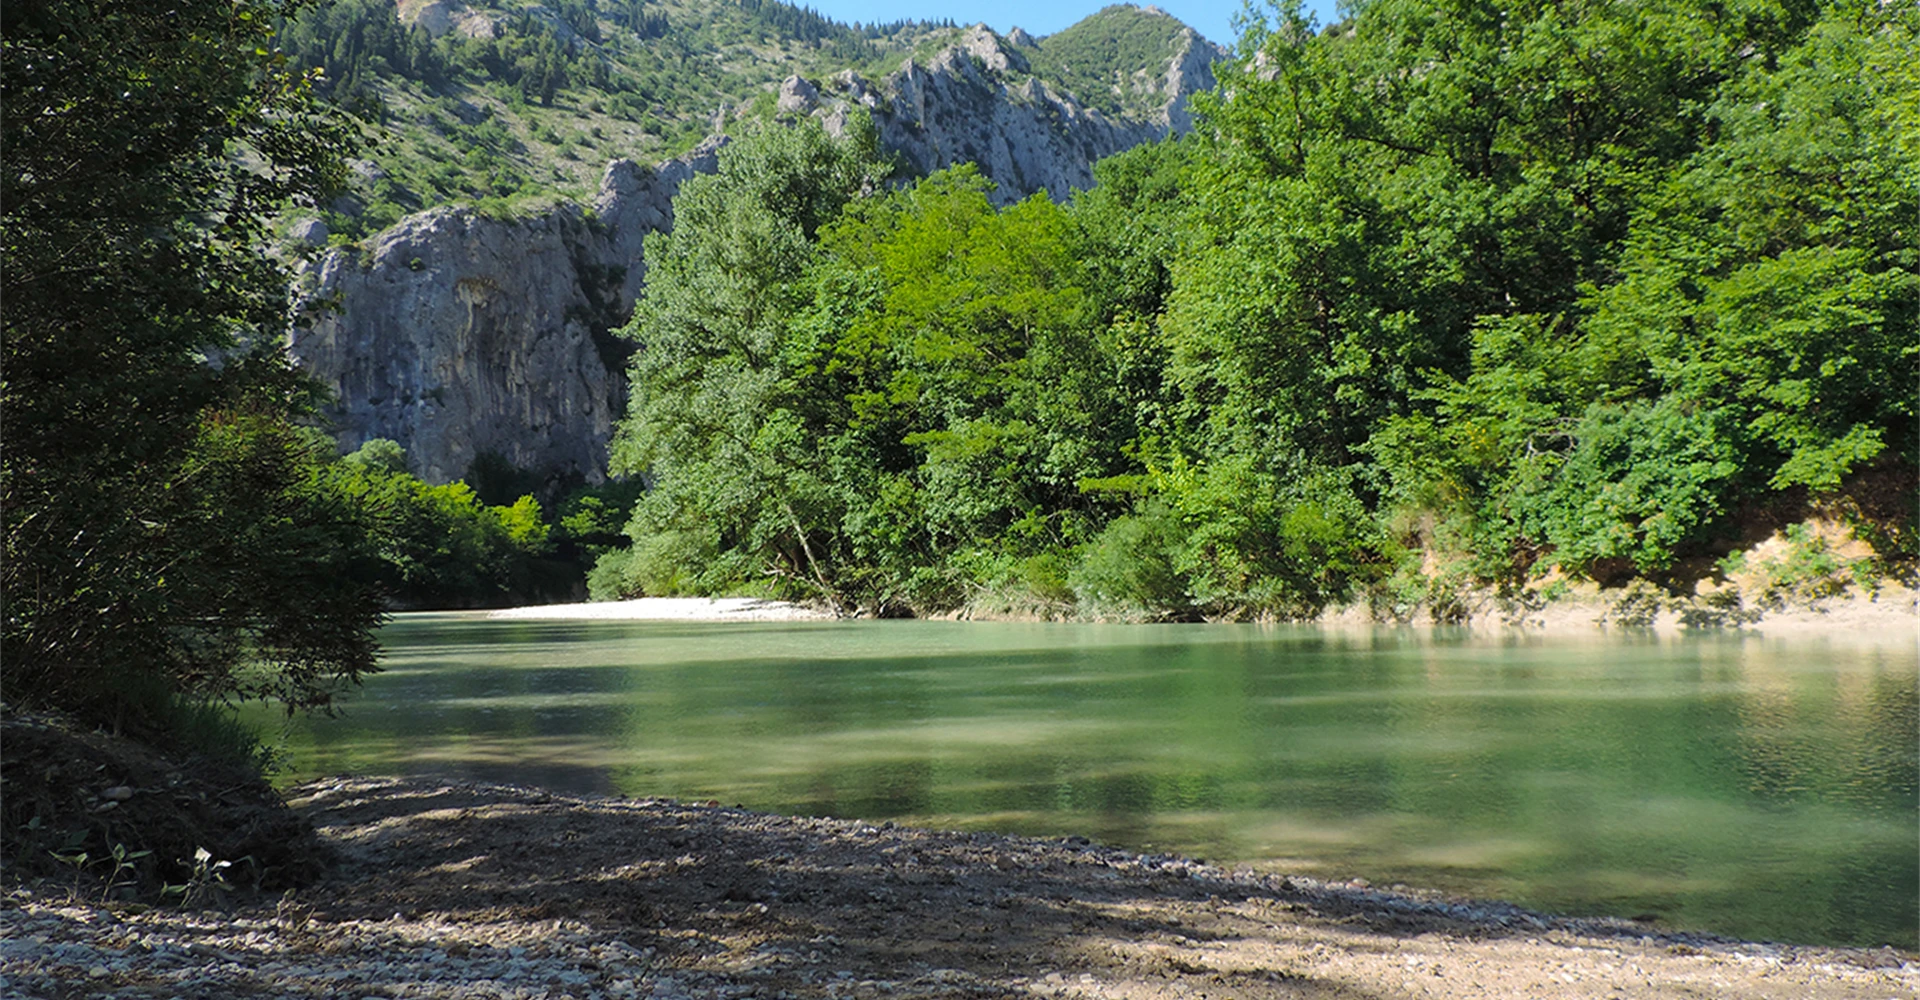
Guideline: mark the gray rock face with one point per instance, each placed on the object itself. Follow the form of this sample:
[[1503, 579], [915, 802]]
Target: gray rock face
[[458, 335], [797, 96], [462, 335], [1189, 73], [312, 232], [973, 102]]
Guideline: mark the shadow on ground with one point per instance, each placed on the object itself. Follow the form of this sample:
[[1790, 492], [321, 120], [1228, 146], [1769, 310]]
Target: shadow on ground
[[810, 907]]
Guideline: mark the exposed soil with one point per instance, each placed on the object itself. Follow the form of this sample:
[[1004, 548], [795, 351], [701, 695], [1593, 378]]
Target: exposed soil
[[81, 795]]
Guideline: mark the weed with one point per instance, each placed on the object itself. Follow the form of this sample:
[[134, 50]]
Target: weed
[[207, 883], [122, 860]]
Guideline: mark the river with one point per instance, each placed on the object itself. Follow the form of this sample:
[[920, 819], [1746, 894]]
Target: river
[[1756, 787]]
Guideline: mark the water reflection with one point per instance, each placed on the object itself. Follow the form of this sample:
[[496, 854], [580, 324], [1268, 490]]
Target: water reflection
[[1749, 786]]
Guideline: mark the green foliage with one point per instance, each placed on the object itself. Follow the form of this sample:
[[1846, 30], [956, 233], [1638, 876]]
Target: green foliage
[[1580, 282], [1435, 299], [1639, 482], [443, 546], [665, 563], [1130, 571], [709, 421], [167, 527], [875, 402], [1775, 273], [1801, 568]]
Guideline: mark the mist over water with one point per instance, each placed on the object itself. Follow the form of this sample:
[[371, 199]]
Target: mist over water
[[1754, 787]]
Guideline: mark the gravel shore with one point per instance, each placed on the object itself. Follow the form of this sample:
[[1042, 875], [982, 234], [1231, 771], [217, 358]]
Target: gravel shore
[[454, 889]]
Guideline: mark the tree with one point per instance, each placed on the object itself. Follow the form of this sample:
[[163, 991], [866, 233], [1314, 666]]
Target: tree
[[706, 421], [1750, 340], [442, 546], [168, 527]]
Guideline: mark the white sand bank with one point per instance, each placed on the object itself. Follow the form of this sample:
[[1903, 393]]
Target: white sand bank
[[1891, 616], [680, 609]]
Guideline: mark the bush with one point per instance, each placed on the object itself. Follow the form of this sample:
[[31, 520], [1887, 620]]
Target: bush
[[443, 546], [1128, 572], [1642, 482], [666, 564]]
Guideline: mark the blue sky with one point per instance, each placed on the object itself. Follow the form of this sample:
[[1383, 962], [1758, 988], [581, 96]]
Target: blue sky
[[1212, 18]]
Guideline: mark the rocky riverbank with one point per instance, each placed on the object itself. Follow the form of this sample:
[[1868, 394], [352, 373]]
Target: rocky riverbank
[[454, 889]]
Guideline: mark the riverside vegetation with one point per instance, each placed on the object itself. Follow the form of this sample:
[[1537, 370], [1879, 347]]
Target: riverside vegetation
[[1601, 293], [1441, 300], [179, 531]]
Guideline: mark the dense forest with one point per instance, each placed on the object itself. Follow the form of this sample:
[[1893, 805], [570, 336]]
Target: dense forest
[[1447, 299]]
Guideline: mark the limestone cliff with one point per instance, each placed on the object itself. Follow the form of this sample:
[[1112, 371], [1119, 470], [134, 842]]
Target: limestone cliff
[[976, 101], [457, 335]]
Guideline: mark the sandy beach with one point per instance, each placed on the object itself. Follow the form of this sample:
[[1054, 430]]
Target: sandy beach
[[1891, 614], [680, 609]]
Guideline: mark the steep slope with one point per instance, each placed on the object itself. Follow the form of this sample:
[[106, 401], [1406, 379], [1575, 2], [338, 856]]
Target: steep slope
[[480, 326], [1127, 61], [978, 100], [459, 335], [511, 103]]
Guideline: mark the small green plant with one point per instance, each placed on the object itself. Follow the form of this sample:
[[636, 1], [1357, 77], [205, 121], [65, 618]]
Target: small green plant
[[120, 857], [1803, 571], [207, 883]]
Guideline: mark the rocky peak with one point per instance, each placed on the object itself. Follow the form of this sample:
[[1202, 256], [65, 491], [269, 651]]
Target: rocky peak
[[1188, 73], [974, 100], [995, 53]]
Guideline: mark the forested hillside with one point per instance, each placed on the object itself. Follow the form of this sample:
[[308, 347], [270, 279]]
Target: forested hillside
[[505, 101], [508, 103], [1448, 299]]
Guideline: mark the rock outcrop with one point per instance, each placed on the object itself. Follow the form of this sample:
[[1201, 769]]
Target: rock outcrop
[[974, 101], [459, 335]]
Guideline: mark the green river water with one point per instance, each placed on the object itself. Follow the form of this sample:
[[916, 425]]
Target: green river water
[[1755, 787]]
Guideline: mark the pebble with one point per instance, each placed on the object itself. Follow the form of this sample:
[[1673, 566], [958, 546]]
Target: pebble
[[45, 945]]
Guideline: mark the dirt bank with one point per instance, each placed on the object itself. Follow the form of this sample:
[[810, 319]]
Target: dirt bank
[[454, 889]]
